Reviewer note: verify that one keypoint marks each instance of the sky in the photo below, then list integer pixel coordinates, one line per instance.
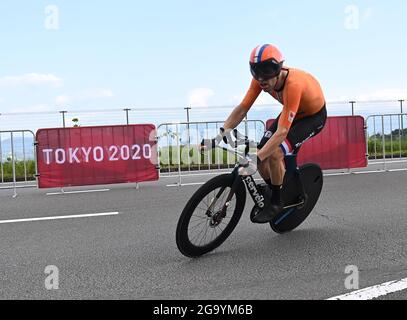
(88, 55)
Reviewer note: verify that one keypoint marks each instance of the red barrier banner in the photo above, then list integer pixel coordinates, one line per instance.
(96, 155)
(340, 145)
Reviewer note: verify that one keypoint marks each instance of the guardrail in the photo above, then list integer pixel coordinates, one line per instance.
(18, 163)
(386, 137)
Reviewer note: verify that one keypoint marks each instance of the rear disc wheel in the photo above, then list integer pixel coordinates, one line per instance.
(290, 219)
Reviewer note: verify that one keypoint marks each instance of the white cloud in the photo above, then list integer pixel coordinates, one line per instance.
(385, 94)
(97, 94)
(63, 99)
(34, 108)
(199, 97)
(93, 94)
(31, 79)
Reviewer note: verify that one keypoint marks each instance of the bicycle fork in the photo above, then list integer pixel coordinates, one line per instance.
(233, 189)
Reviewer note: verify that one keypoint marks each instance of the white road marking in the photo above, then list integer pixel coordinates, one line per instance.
(366, 172)
(10, 186)
(324, 174)
(387, 162)
(194, 184)
(60, 217)
(73, 192)
(337, 174)
(185, 184)
(375, 291)
(397, 170)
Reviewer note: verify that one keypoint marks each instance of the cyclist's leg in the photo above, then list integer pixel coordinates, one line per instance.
(304, 129)
(272, 171)
(264, 167)
(300, 131)
(277, 167)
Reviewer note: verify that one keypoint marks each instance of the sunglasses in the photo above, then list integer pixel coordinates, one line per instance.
(266, 70)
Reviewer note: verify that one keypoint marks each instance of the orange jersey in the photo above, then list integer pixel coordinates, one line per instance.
(301, 96)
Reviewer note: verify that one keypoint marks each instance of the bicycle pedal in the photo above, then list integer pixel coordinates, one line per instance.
(303, 202)
(255, 211)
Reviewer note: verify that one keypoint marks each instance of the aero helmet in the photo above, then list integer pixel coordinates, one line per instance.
(266, 62)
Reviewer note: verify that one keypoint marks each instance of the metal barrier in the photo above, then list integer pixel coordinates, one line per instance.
(178, 147)
(386, 138)
(15, 153)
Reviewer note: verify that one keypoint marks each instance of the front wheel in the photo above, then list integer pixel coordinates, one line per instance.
(205, 222)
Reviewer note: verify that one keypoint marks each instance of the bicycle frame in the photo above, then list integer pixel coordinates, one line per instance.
(252, 187)
(240, 181)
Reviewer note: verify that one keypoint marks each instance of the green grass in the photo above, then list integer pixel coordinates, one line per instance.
(392, 149)
(211, 159)
(215, 158)
(20, 176)
(169, 155)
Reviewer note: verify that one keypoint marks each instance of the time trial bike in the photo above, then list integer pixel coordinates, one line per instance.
(216, 207)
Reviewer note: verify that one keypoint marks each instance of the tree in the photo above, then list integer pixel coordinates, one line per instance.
(76, 122)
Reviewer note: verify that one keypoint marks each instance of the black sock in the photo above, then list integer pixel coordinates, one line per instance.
(276, 193)
(268, 181)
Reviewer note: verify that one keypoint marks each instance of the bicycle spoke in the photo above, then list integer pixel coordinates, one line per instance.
(221, 230)
(200, 224)
(198, 207)
(196, 225)
(225, 225)
(197, 236)
(197, 222)
(200, 216)
(215, 232)
(204, 236)
(197, 219)
(212, 238)
(205, 201)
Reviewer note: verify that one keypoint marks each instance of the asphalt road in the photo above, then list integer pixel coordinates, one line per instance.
(360, 220)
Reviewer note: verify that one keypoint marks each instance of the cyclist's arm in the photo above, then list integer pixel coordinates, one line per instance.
(237, 116)
(241, 110)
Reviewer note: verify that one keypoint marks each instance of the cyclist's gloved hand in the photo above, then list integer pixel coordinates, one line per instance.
(249, 165)
(208, 144)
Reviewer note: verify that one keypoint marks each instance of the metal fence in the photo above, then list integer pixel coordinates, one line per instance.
(69, 117)
(18, 164)
(386, 138)
(179, 152)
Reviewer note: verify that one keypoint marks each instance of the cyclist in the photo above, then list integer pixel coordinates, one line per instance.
(303, 116)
